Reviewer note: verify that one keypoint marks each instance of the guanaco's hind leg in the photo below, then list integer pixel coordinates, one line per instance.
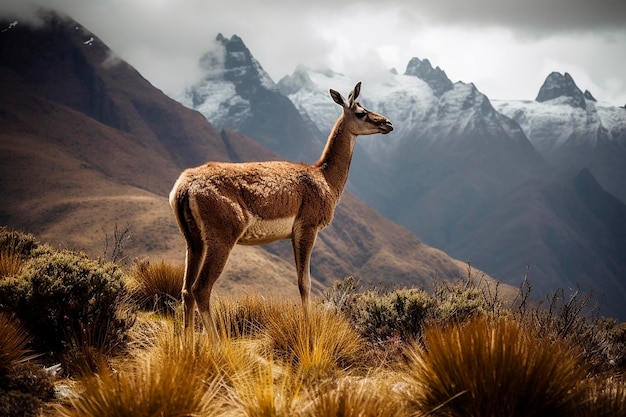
(213, 262)
(191, 272)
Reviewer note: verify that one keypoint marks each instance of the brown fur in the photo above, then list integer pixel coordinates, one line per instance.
(218, 205)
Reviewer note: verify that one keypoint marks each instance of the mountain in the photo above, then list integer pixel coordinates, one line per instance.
(562, 85)
(573, 234)
(451, 152)
(461, 173)
(235, 92)
(87, 144)
(572, 130)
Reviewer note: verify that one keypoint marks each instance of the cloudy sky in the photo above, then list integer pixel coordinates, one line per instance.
(506, 47)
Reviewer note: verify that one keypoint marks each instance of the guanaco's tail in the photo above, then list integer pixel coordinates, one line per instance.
(179, 200)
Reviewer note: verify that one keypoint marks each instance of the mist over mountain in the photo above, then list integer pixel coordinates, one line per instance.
(88, 144)
(235, 92)
(468, 177)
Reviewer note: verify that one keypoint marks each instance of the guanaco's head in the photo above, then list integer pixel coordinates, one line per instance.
(360, 121)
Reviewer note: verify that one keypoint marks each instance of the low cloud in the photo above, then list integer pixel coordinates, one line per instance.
(164, 39)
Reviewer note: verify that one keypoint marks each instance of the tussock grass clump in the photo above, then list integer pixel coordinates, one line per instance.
(492, 368)
(176, 374)
(11, 263)
(157, 286)
(266, 389)
(318, 343)
(603, 398)
(244, 317)
(24, 385)
(13, 344)
(149, 387)
(356, 397)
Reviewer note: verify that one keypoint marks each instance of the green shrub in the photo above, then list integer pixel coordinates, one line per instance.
(64, 298)
(18, 404)
(20, 243)
(456, 302)
(400, 313)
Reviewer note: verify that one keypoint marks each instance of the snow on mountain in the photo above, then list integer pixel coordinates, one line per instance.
(574, 131)
(404, 99)
(216, 96)
(235, 92)
(563, 116)
(422, 103)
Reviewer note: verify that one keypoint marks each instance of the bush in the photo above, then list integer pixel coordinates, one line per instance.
(64, 298)
(399, 314)
(22, 244)
(457, 302)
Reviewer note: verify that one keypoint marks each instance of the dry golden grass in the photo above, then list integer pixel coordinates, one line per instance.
(176, 376)
(272, 360)
(13, 344)
(603, 398)
(156, 286)
(492, 368)
(371, 396)
(318, 343)
(11, 262)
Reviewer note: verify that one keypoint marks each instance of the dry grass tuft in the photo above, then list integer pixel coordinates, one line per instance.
(177, 376)
(13, 344)
(492, 368)
(157, 286)
(603, 398)
(266, 390)
(356, 397)
(318, 343)
(243, 317)
(11, 262)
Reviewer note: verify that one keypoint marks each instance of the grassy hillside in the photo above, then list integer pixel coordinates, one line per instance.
(458, 351)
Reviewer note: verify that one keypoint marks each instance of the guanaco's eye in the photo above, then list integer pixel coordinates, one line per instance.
(361, 115)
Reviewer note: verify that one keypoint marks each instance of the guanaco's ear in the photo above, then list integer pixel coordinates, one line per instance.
(338, 98)
(354, 94)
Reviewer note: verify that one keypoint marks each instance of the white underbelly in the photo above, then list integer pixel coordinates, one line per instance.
(262, 231)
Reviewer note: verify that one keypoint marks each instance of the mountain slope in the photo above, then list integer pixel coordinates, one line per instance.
(574, 234)
(574, 131)
(88, 144)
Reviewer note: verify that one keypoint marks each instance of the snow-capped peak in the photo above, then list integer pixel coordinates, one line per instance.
(561, 85)
(436, 78)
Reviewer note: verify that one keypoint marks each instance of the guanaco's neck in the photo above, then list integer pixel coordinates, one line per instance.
(335, 160)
